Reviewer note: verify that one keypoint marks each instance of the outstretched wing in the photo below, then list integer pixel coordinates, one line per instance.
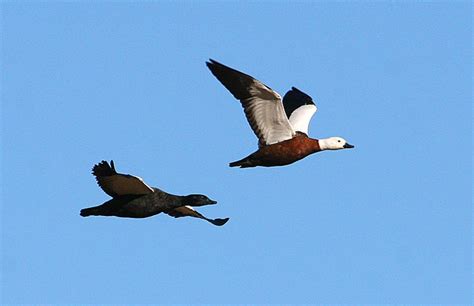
(116, 184)
(299, 108)
(188, 211)
(262, 106)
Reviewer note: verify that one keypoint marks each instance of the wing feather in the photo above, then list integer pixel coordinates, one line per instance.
(262, 106)
(116, 184)
(299, 108)
(188, 211)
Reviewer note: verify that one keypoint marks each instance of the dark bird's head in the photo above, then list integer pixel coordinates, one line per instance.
(198, 200)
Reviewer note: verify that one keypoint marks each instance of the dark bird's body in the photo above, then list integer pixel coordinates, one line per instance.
(136, 206)
(132, 198)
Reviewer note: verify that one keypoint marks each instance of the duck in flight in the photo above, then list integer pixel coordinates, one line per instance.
(133, 198)
(281, 125)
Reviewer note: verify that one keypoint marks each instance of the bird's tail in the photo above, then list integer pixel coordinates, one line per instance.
(243, 163)
(92, 211)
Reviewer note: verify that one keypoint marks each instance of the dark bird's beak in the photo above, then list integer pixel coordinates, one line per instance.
(212, 202)
(348, 146)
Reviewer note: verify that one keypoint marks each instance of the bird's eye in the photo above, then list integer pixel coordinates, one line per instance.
(338, 141)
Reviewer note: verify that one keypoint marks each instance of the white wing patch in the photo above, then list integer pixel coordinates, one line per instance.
(300, 117)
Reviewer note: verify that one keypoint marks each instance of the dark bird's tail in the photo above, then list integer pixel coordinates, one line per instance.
(243, 163)
(92, 211)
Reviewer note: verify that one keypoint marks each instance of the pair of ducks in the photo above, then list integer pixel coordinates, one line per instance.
(281, 126)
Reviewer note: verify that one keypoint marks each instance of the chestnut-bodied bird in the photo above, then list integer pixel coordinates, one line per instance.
(281, 126)
(133, 198)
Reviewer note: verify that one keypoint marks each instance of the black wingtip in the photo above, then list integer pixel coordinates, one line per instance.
(212, 65)
(301, 95)
(104, 169)
(295, 98)
(219, 222)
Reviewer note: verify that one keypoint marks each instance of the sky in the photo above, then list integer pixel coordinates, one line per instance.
(387, 222)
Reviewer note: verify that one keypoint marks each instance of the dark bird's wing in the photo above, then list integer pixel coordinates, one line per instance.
(188, 211)
(262, 106)
(117, 184)
(299, 108)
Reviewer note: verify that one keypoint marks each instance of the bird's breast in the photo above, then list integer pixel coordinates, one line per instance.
(288, 151)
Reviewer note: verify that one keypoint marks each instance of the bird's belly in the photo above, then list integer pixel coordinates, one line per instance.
(134, 213)
(139, 208)
(283, 153)
(279, 159)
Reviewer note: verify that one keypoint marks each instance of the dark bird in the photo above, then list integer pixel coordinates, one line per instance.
(281, 126)
(133, 198)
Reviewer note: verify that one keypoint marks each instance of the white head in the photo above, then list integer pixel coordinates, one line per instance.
(334, 143)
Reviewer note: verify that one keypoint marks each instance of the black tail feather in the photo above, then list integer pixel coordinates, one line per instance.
(234, 164)
(88, 212)
(243, 163)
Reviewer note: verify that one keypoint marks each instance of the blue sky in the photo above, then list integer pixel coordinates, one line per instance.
(387, 222)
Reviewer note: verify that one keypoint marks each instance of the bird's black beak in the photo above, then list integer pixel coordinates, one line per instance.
(212, 202)
(348, 146)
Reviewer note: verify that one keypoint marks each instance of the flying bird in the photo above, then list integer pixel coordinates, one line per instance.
(133, 198)
(281, 125)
